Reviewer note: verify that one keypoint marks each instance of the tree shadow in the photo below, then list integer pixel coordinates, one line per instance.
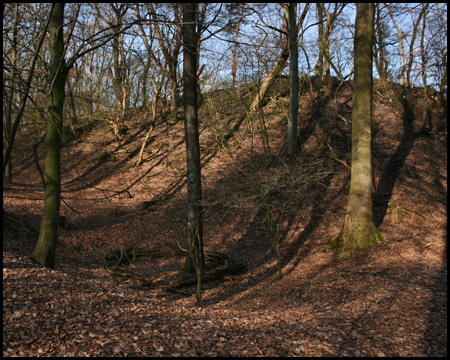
(434, 336)
(256, 236)
(392, 171)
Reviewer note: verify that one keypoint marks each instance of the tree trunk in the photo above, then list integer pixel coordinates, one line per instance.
(8, 112)
(174, 89)
(279, 66)
(118, 77)
(426, 119)
(195, 259)
(411, 45)
(91, 85)
(144, 83)
(170, 52)
(381, 63)
(290, 11)
(326, 52)
(44, 252)
(359, 233)
(270, 79)
(402, 48)
(318, 69)
(234, 63)
(72, 108)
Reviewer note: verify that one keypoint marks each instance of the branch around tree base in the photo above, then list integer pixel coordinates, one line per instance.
(219, 267)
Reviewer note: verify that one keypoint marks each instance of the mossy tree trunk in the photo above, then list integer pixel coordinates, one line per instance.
(44, 252)
(195, 259)
(359, 233)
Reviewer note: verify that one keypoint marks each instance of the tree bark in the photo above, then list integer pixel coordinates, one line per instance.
(195, 261)
(323, 39)
(359, 233)
(318, 69)
(402, 48)
(411, 45)
(8, 112)
(44, 252)
(72, 108)
(270, 79)
(290, 11)
(279, 66)
(426, 119)
(381, 63)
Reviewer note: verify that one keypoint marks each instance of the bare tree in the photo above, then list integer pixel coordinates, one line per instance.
(411, 44)
(402, 48)
(169, 37)
(268, 81)
(290, 11)
(115, 21)
(426, 119)
(380, 39)
(323, 39)
(25, 94)
(237, 12)
(195, 260)
(12, 90)
(44, 252)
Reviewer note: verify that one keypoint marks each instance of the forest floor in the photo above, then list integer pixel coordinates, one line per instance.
(389, 302)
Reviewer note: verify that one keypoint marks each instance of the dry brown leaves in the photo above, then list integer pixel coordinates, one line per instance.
(391, 302)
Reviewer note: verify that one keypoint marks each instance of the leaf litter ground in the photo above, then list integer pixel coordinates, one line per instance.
(391, 302)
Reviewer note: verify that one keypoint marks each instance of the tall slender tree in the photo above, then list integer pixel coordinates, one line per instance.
(359, 233)
(44, 252)
(8, 112)
(290, 11)
(195, 260)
